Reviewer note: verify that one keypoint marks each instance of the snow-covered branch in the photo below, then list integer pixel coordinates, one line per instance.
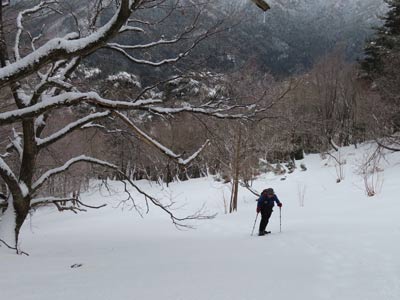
(160, 42)
(160, 147)
(6, 172)
(103, 128)
(44, 142)
(82, 158)
(63, 48)
(5, 3)
(39, 108)
(144, 46)
(10, 179)
(148, 62)
(70, 98)
(187, 161)
(221, 113)
(34, 39)
(20, 27)
(55, 78)
(16, 143)
(126, 28)
(197, 40)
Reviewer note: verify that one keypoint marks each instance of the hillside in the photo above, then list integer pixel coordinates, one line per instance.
(288, 39)
(336, 244)
(294, 34)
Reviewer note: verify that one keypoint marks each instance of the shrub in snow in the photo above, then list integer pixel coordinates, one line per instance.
(338, 162)
(301, 193)
(371, 172)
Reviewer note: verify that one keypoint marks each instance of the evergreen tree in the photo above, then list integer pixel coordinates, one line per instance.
(385, 42)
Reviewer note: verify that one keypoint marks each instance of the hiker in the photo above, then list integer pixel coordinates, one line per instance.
(265, 205)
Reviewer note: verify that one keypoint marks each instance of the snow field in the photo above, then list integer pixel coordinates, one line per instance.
(340, 245)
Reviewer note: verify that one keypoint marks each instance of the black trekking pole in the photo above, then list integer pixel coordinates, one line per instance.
(280, 219)
(254, 226)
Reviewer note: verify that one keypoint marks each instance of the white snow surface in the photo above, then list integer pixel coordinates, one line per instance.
(341, 245)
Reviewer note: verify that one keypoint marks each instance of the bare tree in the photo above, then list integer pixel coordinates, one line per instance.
(329, 109)
(237, 146)
(39, 80)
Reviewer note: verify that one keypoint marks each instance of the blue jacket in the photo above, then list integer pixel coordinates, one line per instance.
(265, 201)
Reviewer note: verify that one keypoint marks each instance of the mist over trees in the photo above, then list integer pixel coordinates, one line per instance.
(285, 41)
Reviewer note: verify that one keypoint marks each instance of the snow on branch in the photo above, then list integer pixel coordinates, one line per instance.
(36, 38)
(44, 142)
(148, 62)
(82, 158)
(6, 172)
(122, 49)
(10, 179)
(144, 46)
(55, 78)
(20, 28)
(5, 2)
(126, 28)
(160, 42)
(15, 143)
(70, 98)
(187, 161)
(160, 147)
(39, 108)
(64, 48)
(221, 113)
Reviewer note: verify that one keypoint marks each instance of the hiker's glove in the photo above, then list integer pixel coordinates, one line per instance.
(280, 204)
(258, 209)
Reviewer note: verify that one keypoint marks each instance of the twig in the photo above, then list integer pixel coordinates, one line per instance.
(14, 248)
(252, 190)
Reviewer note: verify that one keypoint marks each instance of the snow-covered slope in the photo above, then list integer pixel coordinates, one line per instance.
(340, 244)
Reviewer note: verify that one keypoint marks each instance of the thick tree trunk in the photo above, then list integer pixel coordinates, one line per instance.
(3, 45)
(21, 208)
(13, 219)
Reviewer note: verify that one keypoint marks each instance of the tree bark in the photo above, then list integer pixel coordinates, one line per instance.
(236, 174)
